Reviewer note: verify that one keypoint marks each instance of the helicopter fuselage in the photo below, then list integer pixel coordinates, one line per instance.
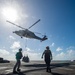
(28, 34)
(25, 33)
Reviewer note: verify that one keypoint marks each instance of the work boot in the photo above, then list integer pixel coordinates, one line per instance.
(18, 70)
(15, 72)
(49, 69)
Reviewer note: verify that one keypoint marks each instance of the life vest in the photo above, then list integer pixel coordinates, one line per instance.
(18, 55)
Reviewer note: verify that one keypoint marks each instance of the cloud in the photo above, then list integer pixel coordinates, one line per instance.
(4, 52)
(59, 49)
(11, 37)
(32, 54)
(6, 55)
(67, 55)
(15, 45)
(10, 57)
(59, 56)
(52, 44)
(15, 50)
(28, 49)
(28, 52)
(71, 47)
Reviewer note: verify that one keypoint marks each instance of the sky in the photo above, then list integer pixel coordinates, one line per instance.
(57, 22)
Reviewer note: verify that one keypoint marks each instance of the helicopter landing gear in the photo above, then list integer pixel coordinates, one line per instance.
(21, 37)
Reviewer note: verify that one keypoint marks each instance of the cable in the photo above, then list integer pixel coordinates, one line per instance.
(26, 44)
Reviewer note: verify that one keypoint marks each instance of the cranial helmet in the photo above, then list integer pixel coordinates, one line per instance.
(20, 49)
(47, 47)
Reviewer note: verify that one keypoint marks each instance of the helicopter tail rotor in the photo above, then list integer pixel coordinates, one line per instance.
(44, 38)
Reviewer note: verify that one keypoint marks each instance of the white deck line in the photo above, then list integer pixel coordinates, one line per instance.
(1, 68)
(65, 68)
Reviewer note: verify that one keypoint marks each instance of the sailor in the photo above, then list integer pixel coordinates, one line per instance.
(18, 62)
(47, 57)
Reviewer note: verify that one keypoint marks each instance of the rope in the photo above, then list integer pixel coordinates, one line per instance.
(26, 44)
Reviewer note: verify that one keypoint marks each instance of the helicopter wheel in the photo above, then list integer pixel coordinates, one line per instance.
(21, 37)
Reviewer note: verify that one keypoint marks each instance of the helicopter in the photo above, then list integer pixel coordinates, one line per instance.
(27, 33)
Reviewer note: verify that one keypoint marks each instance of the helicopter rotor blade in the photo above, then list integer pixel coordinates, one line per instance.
(34, 23)
(15, 24)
